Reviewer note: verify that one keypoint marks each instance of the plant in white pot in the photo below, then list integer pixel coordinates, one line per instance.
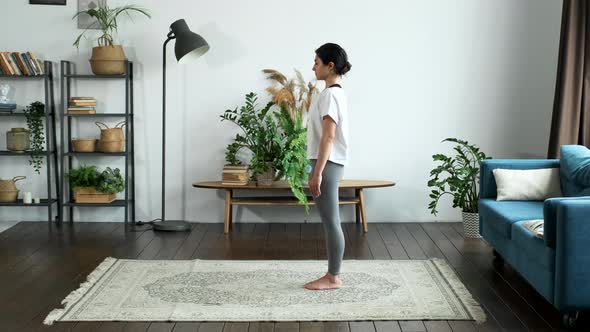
(458, 176)
(107, 58)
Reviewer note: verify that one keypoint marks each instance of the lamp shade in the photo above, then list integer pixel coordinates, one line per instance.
(188, 45)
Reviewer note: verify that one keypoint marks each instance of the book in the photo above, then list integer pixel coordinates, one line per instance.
(39, 63)
(28, 63)
(15, 64)
(88, 111)
(235, 167)
(5, 65)
(10, 63)
(34, 63)
(21, 64)
(82, 98)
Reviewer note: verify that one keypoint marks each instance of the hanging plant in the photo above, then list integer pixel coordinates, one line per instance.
(34, 114)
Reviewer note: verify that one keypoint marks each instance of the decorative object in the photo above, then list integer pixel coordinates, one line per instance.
(18, 140)
(188, 46)
(107, 58)
(86, 21)
(36, 200)
(462, 180)
(112, 140)
(34, 114)
(84, 144)
(27, 197)
(267, 290)
(8, 191)
(4, 99)
(91, 186)
(48, 2)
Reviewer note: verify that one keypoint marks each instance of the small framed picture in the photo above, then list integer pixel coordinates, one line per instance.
(48, 2)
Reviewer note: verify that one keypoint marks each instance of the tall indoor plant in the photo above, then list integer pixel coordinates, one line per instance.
(107, 58)
(458, 176)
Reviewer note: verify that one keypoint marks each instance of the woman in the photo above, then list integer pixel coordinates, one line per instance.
(327, 144)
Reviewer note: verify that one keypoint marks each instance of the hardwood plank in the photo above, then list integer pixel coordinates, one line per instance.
(286, 327)
(409, 243)
(361, 326)
(412, 326)
(235, 327)
(376, 245)
(387, 326)
(311, 326)
(392, 243)
(437, 326)
(261, 327)
(186, 326)
(211, 327)
(336, 327)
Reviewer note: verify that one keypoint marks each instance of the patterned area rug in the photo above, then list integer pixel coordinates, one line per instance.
(256, 290)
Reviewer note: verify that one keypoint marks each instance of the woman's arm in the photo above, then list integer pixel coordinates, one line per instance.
(328, 134)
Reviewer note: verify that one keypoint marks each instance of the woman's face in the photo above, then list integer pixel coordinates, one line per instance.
(321, 70)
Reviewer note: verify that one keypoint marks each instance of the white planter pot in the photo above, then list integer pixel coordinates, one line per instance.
(471, 225)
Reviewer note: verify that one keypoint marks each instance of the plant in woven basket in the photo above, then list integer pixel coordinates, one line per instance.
(106, 19)
(457, 176)
(259, 135)
(34, 114)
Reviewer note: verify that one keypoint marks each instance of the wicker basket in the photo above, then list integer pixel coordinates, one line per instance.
(111, 146)
(84, 144)
(112, 140)
(90, 195)
(108, 60)
(9, 196)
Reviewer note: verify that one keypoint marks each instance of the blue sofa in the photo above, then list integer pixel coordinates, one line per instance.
(557, 266)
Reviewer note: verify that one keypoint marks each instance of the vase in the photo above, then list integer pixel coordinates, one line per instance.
(17, 140)
(266, 178)
(471, 225)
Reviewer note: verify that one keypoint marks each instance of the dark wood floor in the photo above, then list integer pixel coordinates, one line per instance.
(41, 263)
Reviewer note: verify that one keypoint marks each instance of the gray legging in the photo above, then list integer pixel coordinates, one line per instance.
(327, 204)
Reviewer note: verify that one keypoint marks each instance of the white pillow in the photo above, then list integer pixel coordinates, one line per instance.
(527, 184)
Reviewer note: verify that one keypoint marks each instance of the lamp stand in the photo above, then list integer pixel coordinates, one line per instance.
(167, 225)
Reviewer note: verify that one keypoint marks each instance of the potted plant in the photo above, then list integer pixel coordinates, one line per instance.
(458, 176)
(91, 186)
(34, 114)
(260, 135)
(107, 58)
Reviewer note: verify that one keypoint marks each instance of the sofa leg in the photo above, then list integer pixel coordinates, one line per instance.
(497, 256)
(569, 319)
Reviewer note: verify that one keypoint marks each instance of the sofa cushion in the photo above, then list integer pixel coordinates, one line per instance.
(533, 246)
(501, 215)
(575, 170)
(527, 184)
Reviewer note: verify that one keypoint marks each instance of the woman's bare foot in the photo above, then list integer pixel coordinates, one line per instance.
(326, 282)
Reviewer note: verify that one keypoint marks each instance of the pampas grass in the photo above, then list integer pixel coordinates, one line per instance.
(293, 94)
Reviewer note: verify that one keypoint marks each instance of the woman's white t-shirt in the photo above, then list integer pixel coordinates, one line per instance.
(331, 102)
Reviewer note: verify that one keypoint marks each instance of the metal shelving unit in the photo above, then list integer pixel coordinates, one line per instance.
(50, 142)
(67, 155)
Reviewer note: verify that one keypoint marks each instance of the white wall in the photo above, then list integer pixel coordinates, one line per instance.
(422, 71)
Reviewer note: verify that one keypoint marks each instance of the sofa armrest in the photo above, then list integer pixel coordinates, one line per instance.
(572, 255)
(487, 182)
(550, 216)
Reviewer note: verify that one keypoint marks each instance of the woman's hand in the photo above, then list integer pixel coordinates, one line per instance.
(314, 183)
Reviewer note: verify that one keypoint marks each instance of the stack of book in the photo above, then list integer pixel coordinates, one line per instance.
(82, 105)
(20, 64)
(235, 175)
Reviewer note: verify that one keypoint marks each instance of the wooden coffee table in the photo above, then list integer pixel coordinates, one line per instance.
(358, 198)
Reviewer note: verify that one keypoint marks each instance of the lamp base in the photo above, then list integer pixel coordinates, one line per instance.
(172, 226)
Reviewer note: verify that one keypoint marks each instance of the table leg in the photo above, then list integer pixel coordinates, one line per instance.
(231, 210)
(357, 206)
(363, 212)
(227, 218)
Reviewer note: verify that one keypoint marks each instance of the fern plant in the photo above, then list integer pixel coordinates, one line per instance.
(294, 165)
(106, 18)
(461, 176)
(34, 114)
(83, 176)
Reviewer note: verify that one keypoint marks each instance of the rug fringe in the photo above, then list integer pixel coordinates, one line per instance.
(474, 308)
(76, 294)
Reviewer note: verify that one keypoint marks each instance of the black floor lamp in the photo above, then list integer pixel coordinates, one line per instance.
(189, 46)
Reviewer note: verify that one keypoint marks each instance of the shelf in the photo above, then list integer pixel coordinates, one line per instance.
(102, 115)
(20, 114)
(113, 154)
(21, 77)
(28, 153)
(118, 202)
(44, 202)
(97, 76)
